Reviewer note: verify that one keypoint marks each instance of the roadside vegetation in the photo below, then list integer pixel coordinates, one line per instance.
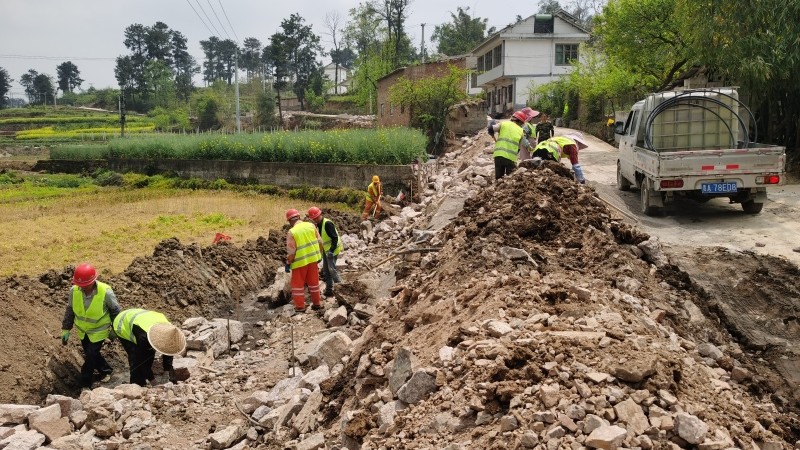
(52, 221)
(382, 146)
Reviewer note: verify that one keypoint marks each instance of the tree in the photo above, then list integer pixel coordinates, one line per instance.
(44, 89)
(394, 13)
(646, 38)
(265, 110)
(430, 100)
(294, 53)
(220, 59)
(756, 48)
(251, 57)
(365, 34)
(26, 80)
(184, 67)
(462, 35)
(5, 85)
(341, 56)
(69, 77)
(549, 7)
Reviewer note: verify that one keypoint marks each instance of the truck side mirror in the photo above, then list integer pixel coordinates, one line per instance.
(619, 127)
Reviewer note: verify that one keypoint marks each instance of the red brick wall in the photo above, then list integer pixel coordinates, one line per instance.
(394, 115)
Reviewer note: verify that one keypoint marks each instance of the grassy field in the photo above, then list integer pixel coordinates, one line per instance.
(63, 221)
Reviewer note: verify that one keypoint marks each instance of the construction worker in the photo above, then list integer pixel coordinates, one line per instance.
(142, 333)
(509, 138)
(372, 199)
(91, 308)
(528, 132)
(332, 246)
(303, 251)
(544, 129)
(559, 146)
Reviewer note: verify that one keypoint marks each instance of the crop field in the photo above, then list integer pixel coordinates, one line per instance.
(56, 220)
(383, 146)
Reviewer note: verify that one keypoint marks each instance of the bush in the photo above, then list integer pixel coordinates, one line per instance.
(108, 178)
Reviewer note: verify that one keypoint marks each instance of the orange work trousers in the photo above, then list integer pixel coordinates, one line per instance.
(368, 210)
(302, 276)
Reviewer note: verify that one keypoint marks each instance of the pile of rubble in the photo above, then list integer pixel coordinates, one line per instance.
(529, 319)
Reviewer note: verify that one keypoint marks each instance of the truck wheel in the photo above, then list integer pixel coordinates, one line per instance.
(622, 183)
(646, 207)
(751, 207)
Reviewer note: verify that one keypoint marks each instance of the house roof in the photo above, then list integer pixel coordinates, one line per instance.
(563, 15)
(437, 60)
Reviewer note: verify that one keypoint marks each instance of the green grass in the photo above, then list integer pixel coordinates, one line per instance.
(382, 146)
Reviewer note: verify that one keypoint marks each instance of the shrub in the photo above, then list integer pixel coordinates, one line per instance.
(108, 178)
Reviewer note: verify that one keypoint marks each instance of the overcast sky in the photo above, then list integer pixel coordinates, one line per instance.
(41, 34)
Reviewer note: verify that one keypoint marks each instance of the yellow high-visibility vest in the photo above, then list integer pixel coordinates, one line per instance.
(94, 321)
(326, 240)
(507, 145)
(124, 322)
(305, 237)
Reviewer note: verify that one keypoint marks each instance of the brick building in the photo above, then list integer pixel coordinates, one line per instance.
(466, 118)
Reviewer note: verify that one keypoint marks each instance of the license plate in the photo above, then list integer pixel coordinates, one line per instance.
(718, 188)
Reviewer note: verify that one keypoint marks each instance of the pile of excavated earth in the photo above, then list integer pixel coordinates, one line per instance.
(516, 314)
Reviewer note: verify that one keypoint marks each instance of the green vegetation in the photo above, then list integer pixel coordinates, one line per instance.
(384, 146)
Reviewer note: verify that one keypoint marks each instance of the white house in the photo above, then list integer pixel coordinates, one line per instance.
(329, 72)
(531, 52)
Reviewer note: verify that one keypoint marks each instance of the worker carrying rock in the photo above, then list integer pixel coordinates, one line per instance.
(304, 250)
(510, 137)
(557, 147)
(372, 200)
(91, 308)
(332, 246)
(142, 333)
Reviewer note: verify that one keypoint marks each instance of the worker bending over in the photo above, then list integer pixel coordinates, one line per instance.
(142, 333)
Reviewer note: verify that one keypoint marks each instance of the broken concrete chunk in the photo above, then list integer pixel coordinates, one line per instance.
(15, 414)
(402, 369)
(24, 440)
(497, 328)
(227, 436)
(690, 428)
(330, 349)
(606, 437)
(417, 388)
(632, 415)
(635, 370)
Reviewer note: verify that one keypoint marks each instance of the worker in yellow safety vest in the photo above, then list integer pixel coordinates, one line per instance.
(303, 251)
(142, 333)
(559, 146)
(372, 200)
(332, 246)
(91, 308)
(510, 137)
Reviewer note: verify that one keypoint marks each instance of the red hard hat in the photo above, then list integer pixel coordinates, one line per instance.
(314, 212)
(84, 275)
(292, 213)
(521, 116)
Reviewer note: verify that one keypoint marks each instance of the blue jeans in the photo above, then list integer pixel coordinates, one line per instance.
(329, 273)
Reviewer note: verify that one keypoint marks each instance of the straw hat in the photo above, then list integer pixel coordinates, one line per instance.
(579, 139)
(167, 339)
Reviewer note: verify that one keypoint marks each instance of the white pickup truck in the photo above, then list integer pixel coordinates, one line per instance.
(696, 144)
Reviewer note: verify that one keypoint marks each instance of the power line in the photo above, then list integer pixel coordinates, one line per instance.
(75, 58)
(220, 22)
(209, 19)
(229, 20)
(198, 16)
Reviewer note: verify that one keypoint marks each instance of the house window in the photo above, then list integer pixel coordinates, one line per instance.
(480, 64)
(487, 60)
(566, 53)
(543, 24)
(498, 55)
(473, 80)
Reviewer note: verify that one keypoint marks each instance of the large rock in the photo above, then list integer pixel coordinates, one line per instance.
(306, 419)
(417, 388)
(24, 440)
(606, 437)
(53, 429)
(15, 414)
(46, 414)
(631, 413)
(690, 428)
(68, 404)
(330, 349)
(635, 370)
(402, 369)
(227, 436)
(313, 442)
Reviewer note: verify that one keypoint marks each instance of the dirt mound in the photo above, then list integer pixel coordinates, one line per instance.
(537, 288)
(346, 223)
(180, 280)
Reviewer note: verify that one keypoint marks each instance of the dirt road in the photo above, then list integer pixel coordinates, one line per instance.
(776, 231)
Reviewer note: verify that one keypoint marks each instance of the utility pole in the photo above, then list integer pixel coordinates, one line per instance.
(122, 113)
(236, 78)
(423, 43)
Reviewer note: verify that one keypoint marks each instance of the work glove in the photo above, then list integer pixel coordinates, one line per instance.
(64, 337)
(579, 173)
(330, 256)
(287, 268)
